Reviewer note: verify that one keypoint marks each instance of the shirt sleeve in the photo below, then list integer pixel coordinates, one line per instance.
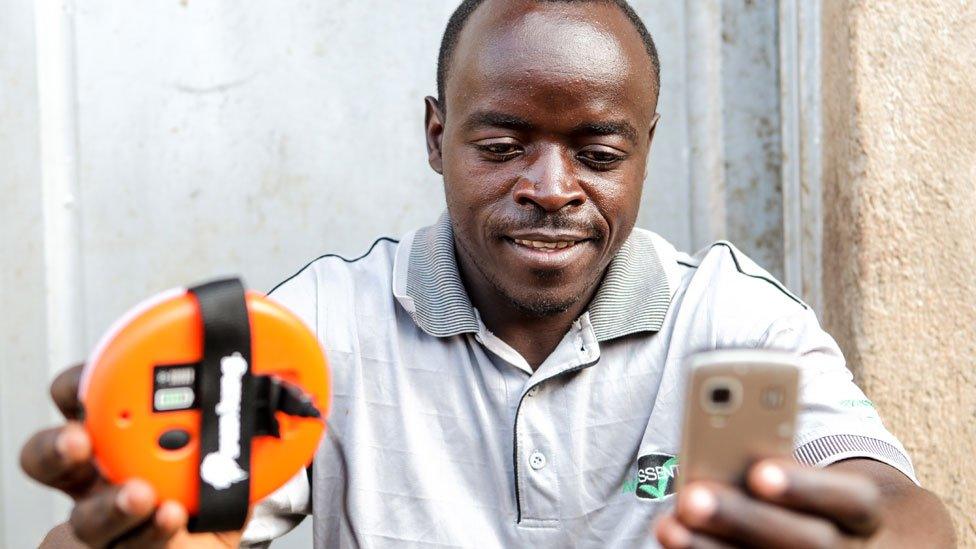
(836, 421)
(279, 513)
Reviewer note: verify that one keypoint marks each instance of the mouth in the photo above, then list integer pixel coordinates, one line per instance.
(549, 252)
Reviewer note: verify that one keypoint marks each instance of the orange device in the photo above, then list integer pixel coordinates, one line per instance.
(213, 395)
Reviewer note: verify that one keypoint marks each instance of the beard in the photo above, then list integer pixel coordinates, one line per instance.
(539, 305)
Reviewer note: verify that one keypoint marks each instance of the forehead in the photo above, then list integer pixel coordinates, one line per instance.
(551, 55)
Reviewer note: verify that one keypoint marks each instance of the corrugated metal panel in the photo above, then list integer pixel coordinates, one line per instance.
(751, 131)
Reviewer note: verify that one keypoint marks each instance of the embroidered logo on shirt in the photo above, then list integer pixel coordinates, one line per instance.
(657, 476)
(859, 403)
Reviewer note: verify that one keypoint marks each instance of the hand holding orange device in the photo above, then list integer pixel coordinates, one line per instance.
(214, 396)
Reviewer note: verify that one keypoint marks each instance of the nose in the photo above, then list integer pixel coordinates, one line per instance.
(549, 183)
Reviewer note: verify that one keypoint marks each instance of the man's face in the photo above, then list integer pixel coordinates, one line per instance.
(549, 119)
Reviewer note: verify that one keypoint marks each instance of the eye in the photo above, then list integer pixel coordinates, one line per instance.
(601, 158)
(499, 151)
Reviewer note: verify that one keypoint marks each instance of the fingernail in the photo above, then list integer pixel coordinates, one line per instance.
(62, 444)
(123, 500)
(170, 516)
(70, 444)
(701, 503)
(678, 536)
(773, 479)
(135, 497)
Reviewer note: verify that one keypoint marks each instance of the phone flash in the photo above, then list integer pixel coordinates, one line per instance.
(773, 397)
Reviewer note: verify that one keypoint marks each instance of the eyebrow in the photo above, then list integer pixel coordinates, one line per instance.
(613, 127)
(497, 119)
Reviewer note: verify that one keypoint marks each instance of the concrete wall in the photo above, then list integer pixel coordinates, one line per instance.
(900, 219)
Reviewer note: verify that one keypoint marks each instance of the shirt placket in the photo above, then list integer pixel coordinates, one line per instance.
(540, 450)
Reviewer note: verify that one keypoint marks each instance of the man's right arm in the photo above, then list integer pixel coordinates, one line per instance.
(104, 514)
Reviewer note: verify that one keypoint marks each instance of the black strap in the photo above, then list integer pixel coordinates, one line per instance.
(225, 470)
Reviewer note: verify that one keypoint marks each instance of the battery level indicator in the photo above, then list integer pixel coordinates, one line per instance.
(174, 398)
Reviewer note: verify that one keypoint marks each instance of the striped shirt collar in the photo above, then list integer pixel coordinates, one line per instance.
(633, 297)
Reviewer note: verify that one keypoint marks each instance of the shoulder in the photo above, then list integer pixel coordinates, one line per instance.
(332, 277)
(721, 291)
(718, 266)
(721, 268)
(378, 257)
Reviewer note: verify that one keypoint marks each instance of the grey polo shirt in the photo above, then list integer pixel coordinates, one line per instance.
(441, 435)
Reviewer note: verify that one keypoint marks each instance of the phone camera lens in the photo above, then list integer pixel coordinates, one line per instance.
(721, 395)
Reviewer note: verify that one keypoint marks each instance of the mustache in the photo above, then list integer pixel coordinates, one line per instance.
(527, 220)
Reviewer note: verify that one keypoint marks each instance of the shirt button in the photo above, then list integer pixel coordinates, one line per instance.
(532, 392)
(537, 460)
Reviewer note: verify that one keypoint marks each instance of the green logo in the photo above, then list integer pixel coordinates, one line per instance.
(657, 476)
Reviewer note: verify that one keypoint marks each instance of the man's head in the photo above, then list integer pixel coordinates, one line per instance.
(463, 12)
(546, 117)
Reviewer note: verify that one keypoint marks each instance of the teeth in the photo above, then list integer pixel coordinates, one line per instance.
(539, 245)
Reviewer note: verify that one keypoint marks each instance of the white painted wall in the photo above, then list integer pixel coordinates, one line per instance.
(23, 353)
(195, 138)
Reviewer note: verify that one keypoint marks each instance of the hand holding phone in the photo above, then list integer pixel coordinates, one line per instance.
(739, 484)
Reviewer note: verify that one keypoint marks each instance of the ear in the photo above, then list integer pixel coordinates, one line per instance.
(650, 141)
(434, 128)
(650, 136)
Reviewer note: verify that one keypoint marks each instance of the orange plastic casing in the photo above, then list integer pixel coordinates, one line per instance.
(117, 391)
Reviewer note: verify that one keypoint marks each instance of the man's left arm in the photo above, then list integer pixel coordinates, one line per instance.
(850, 483)
(853, 503)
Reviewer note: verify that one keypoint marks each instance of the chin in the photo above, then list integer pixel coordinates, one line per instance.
(544, 293)
(541, 304)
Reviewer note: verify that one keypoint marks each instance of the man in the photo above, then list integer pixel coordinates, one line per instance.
(502, 376)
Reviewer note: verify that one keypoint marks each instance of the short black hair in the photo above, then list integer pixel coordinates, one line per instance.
(463, 12)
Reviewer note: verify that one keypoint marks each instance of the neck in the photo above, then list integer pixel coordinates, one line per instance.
(534, 337)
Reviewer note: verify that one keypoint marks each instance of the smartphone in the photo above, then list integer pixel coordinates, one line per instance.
(740, 407)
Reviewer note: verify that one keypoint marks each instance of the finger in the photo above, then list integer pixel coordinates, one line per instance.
(61, 458)
(64, 392)
(849, 500)
(168, 522)
(112, 512)
(673, 535)
(730, 515)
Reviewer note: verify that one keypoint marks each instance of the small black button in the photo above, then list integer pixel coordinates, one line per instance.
(174, 439)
